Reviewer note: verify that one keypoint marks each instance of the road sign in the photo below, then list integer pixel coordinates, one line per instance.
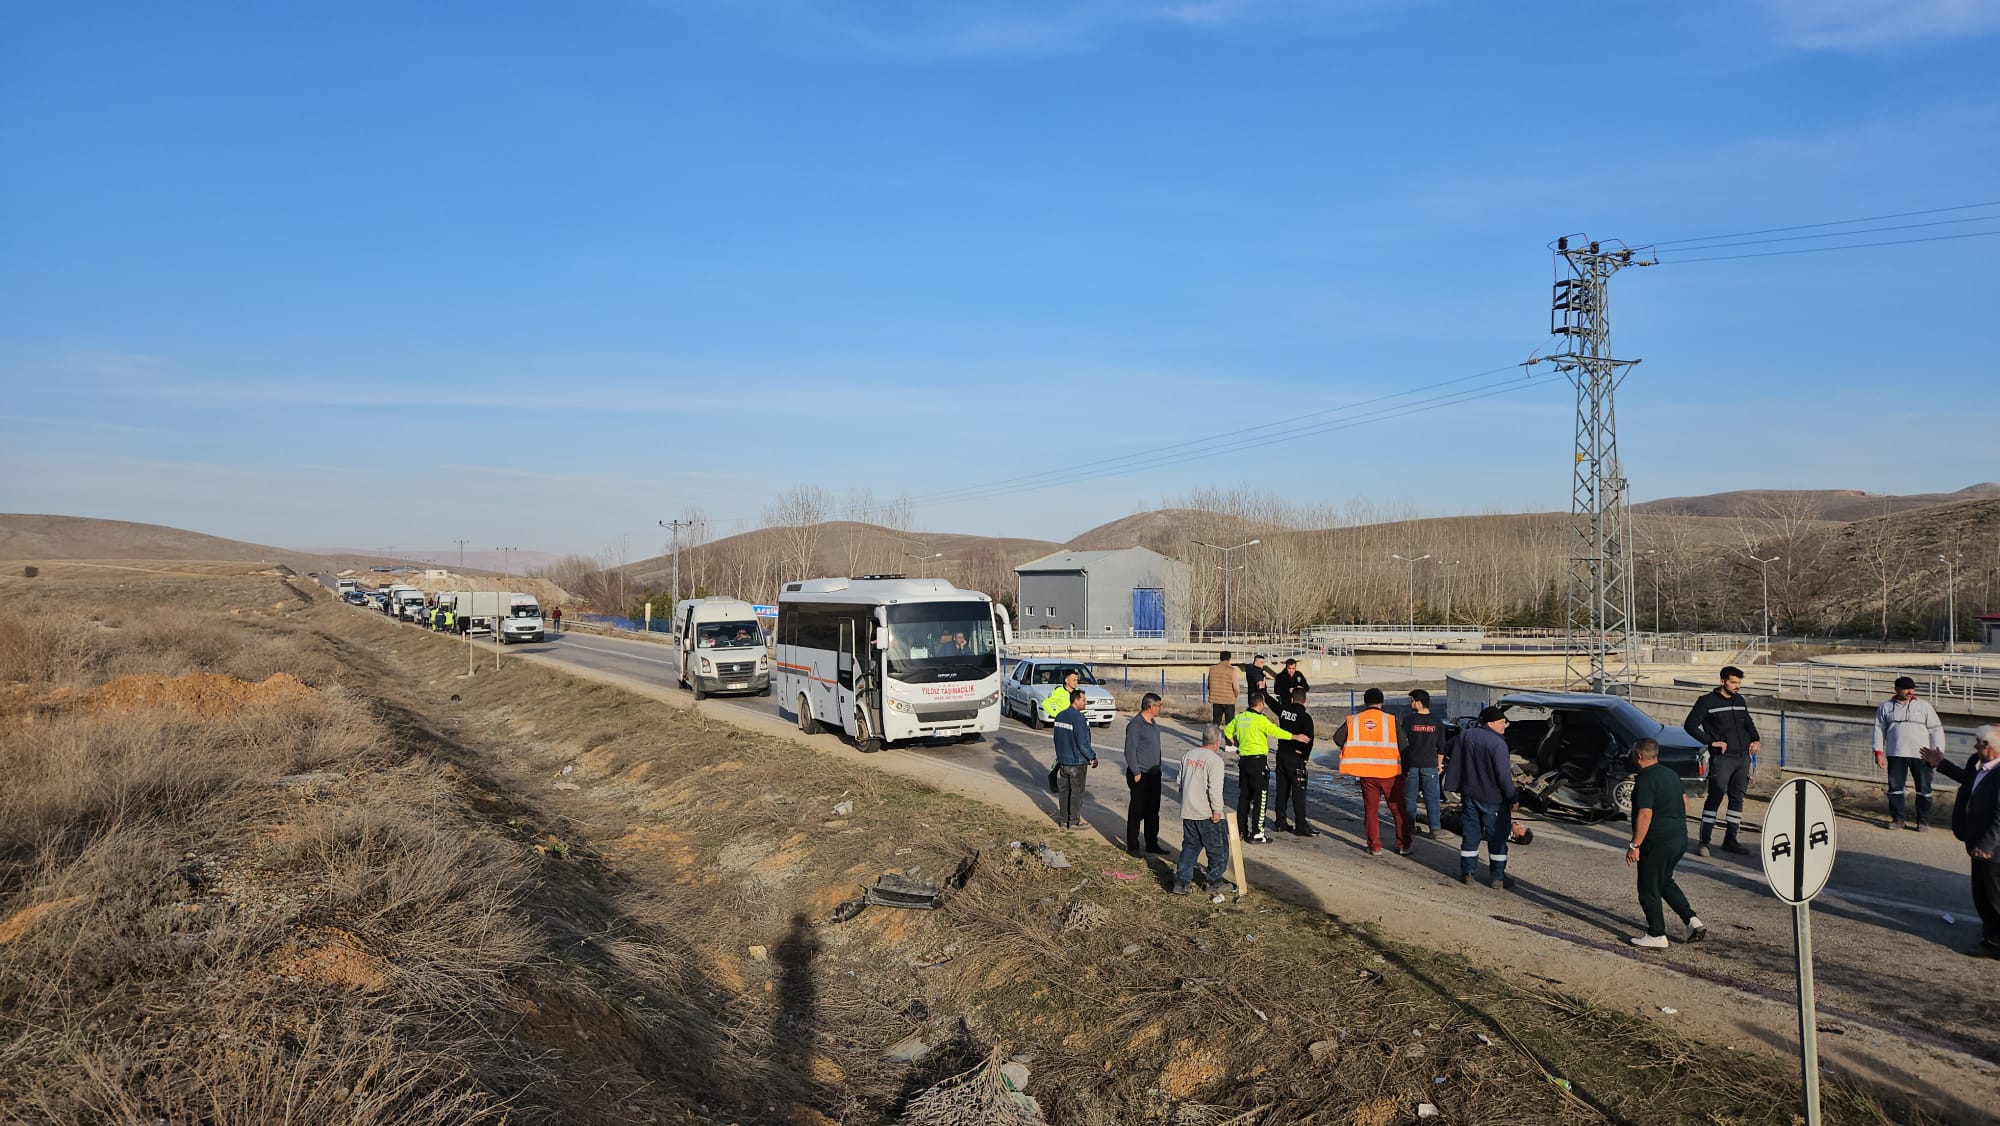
(1797, 845)
(1798, 840)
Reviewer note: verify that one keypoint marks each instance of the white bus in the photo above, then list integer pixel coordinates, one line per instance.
(887, 658)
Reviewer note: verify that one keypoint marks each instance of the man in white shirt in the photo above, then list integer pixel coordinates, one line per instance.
(1905, 727)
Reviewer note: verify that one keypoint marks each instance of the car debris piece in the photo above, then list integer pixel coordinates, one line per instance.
(1053, 857)
(898, 890)
(842, 809)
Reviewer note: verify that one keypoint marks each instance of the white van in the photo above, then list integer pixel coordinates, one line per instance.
(721, 647)
(410, 603)
(523, 621)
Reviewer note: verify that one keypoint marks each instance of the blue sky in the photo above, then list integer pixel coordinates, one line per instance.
(539, 273)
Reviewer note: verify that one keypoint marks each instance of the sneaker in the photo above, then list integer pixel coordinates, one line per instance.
(1284, 827)
(1180, 889)
(1157, 849)
(1894, 823)
(1921, 826)
(1696, 932)
(1465, 877)
(1701, 849)
(1404, 851)
(1649, 941)
(1734, 846)
(1226, 887)
(1260, 839)
(1375, 852)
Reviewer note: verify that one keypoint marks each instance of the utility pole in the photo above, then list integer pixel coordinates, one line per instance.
(1225, 576)
(1653, 557)
(675, 526)
(1950, 605)
(1413, 604)
(1764, 569)
(1597, 614)
(506, 561)
(461, 552)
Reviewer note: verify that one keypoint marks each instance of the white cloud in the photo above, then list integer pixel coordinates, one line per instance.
(1867, 24)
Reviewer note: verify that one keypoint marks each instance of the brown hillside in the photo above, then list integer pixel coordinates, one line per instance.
(33, 537)
(1170, 530)
(1824, 504)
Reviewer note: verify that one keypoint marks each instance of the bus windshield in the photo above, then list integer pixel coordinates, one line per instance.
(727, 635)
(936, 641)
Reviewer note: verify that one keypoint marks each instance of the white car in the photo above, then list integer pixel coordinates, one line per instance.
(1030, 682)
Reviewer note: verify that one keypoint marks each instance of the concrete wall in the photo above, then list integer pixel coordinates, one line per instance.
(1066, 591)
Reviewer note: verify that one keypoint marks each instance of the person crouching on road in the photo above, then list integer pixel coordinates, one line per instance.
(1372, 746)
(1074, 758)
(1293, 757)
(1142, 775)
(1659, 840)
(1975, 819)
(1482, 775)
(1252, 732)
(1202, 826)
(1904, 727)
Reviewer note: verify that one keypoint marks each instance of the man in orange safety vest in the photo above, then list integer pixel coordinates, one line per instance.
(1371, 751)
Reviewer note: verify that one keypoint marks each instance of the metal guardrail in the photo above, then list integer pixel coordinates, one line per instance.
(1963, 685)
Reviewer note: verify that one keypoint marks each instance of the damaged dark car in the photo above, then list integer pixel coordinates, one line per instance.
(1573, 751)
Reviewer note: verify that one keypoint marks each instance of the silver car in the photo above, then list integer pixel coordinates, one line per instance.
(1030, 682)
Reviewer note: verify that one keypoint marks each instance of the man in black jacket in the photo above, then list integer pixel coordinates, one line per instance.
(1975, 819)
(1292, 757)
(1722, 720)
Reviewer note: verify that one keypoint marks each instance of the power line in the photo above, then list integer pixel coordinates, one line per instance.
(1381, 415)
(1824, 249)
(1191, 447)
(1849, 233)
(1830, 223)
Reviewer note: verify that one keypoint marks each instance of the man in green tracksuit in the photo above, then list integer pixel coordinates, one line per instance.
(1659, 840)
(1252, 732)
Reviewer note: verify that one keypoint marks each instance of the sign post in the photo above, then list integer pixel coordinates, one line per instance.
(1797, 848)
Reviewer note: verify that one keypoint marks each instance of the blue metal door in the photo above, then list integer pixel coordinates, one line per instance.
(1149, 611)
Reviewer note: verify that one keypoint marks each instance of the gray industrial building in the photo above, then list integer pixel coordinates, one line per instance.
(1133, 590)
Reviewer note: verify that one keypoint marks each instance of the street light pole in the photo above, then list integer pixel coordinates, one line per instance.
(1764, 569)
(1950, 605)
(1412, 639)
(1652, 556)
(1447, 589)
(1226, 625)
(923, 559)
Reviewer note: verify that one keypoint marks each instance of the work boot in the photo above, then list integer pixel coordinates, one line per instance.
(1701, 849)
(1731, 844)
(1180, 889)
(1895, 823)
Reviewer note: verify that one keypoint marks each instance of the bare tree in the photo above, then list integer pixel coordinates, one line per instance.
(800, 513)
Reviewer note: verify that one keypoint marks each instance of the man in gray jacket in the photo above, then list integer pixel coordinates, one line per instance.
(1905, 727)
(1142, 775)
(1204, 827)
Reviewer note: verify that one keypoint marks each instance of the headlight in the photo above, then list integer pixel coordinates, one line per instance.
(988, 701)
(760, 662)
(900, 706)
(708, 666)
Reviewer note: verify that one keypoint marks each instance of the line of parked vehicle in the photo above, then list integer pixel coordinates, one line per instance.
(511, 615)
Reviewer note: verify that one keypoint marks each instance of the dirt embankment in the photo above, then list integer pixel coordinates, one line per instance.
(398, 894)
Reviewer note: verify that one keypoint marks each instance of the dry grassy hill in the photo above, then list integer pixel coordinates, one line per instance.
(1823, 504)
(32, 537)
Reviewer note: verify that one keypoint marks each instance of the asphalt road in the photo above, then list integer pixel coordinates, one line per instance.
(1898, 1001)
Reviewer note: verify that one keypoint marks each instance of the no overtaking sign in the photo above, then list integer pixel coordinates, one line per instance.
(1798, 840)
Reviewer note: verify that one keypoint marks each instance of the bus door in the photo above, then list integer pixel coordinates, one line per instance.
(846, 656)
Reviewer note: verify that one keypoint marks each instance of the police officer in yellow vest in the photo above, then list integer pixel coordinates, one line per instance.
(1252, 732)
(1371, 751)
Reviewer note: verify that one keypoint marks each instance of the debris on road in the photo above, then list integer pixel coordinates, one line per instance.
(1053, 857)
(1669, 1010)
(898, 890)
(842, 809)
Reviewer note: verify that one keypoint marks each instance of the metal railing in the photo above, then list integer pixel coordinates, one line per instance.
(1964, 686)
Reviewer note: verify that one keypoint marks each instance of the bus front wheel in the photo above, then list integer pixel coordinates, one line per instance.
(807, 724)
(865, 740)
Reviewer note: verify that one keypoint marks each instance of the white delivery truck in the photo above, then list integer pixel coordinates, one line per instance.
(410, 604)
(523, 621)
(721, 647)
(479, 611)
